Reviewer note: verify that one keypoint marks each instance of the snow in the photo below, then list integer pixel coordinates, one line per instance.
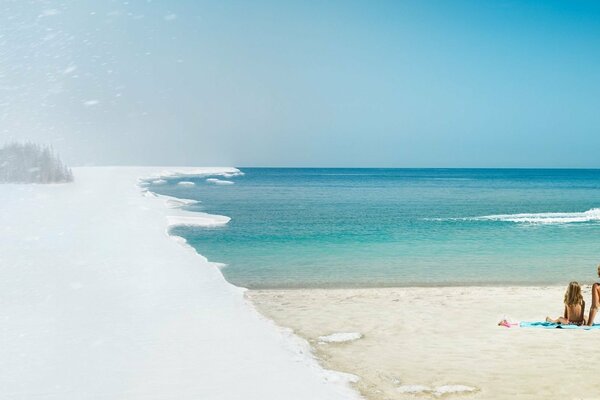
(226, 172)
(447, 389)
(439, 391)
(96, 301)
(175, 202)
(340, 337)
(197, 219)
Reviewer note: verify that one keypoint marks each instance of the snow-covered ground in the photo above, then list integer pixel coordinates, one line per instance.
(97, 302)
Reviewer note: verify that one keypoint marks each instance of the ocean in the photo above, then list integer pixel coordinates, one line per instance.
(322, 227)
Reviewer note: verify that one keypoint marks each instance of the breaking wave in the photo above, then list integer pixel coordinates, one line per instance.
(591, 215)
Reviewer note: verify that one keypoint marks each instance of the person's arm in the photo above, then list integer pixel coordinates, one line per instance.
(583, 313)
(565, 313)
(594, 306)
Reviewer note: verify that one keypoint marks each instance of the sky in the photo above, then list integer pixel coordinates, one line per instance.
(304, 83)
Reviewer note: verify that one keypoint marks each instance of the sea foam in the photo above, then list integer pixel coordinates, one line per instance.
(592, 215)
(545, 218)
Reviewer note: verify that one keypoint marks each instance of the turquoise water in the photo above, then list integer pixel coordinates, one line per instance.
(390, 227)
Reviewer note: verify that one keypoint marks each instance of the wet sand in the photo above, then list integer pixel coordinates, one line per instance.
(443, 341)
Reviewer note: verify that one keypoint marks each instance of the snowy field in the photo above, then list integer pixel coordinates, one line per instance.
(97, 302)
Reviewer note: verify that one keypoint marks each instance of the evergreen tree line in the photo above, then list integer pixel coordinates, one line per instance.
(32, 163)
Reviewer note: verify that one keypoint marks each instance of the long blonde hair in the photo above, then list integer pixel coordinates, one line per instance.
(573, 294)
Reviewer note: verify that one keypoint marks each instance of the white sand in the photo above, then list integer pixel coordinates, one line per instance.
(443, 342)
(97, 302)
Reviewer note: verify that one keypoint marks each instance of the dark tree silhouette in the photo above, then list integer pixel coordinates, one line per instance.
(32, 163)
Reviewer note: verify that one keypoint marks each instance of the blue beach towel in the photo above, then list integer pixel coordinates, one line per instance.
(550, 325)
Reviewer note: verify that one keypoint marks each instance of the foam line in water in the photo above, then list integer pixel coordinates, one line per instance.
(544, 218)
(549, 218)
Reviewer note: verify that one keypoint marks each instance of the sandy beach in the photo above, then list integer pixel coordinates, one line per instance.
(442, 341)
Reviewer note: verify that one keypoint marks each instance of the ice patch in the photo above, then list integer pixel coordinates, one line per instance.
(161, 177)
(196, 173)
(178, 217)
(340, 337)
(219, 181)
(197, 219)
(175, 202)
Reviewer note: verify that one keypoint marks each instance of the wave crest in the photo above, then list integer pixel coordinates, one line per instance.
(543, 218)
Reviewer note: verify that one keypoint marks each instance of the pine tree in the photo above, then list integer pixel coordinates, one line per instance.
(32, 163)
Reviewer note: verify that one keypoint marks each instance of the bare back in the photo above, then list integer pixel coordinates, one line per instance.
(574, 313)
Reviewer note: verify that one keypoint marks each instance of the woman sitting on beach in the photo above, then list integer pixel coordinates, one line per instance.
(574, 307)
(595, 301)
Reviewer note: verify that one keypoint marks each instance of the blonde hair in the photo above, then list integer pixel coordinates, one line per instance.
(573, 294)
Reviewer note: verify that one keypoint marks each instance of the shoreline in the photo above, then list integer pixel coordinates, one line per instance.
(318, 318)
(177, 215)
(501, 284)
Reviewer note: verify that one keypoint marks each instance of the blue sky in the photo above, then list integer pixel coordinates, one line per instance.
(307, 83)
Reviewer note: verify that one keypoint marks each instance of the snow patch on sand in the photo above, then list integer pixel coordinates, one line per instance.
(447, 389)
(340, 337)
(439, 391)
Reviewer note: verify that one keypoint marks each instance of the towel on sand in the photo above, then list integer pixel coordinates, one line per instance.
(550, 325)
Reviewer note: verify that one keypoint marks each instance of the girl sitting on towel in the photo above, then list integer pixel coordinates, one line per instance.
(574, 307)
(595, 301)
